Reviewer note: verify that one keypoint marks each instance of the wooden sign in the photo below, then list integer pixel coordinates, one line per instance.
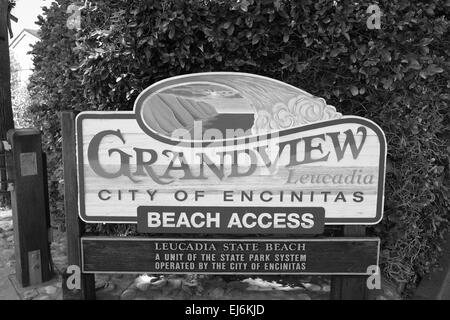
(339, 256)
(234, 142)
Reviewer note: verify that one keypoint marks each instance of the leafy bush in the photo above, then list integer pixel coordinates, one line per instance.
(398, 76)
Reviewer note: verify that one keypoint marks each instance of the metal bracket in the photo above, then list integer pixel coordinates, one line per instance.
(34, 267)
(5, 146)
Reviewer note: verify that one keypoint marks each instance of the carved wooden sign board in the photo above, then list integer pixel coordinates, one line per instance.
(230, 153)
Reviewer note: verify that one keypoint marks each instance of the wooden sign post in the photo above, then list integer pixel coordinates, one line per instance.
(29, 206)
(232, 154)
(74, 226)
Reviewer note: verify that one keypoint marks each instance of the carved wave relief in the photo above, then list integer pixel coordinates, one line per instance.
(298, 111)
(230, 101)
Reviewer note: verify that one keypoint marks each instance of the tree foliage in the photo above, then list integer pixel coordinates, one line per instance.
(19, 96)
(397, 76)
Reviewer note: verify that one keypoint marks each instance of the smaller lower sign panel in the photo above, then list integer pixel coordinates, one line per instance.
(231, 220)
(339, 256)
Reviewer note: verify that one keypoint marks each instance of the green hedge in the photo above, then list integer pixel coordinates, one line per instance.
(397, 76)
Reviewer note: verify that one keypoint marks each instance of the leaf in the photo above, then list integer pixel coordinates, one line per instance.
(354, 90)
(335, 52)
(286, 38)
(277, 4)
(431, 70)
(243, 4)
(230, 30)
(104, 74)
(171, 32)
(426, 41)
(386, 55)
(249, 21)
(414, 64)
(414, 129)
(434, 69)
(300, 67)
(256, 38)
(346, 35)
(387, 83)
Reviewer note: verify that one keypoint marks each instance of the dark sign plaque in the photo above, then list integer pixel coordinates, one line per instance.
(232, 220)
(344, 256)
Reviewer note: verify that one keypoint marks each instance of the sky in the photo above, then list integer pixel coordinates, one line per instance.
(27, 11)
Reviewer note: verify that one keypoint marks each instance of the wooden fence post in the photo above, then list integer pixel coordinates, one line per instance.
(74, 226)
(350, 287)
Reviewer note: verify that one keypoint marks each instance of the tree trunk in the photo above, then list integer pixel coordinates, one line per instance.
(6, 113)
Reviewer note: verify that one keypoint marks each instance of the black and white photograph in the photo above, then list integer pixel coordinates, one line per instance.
(225, 156)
